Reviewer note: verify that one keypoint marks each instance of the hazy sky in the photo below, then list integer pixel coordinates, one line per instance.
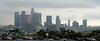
(66, 9)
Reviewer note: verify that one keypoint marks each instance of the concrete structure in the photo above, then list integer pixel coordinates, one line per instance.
(48, 21)
(75, 24)
(81, 26)
(65, 26)
(84, 22)
(45, 24)
(16, 19)
(62, 25)
(68, 23)
(52, 27)
(23, 21)
(35, 19)
(28, 18)
(57, 22)
(28, 24)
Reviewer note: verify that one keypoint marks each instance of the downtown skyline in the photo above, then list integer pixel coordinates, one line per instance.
(33, 22)
(64, 18)
(73, 10)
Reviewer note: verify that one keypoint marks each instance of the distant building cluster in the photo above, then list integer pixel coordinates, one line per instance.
(33, 22)
(28, 23)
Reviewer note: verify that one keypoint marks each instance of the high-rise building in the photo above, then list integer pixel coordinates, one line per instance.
(84, 22)
(57, 22)
(28, 18)
(75, 24)
(51, 27)
(35, 19)
(40, 19)
(23, 21)
(28, 24)
(65, 26)
(49, 19)
(45, 24)
(68, 23)
(62, 25)
(16, 19)
(81, 26)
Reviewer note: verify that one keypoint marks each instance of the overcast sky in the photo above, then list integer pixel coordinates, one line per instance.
(75, 10)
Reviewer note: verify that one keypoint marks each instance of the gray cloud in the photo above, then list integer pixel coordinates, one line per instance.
(91, 16)
(7, 8)
(97, 2)
(49, 3)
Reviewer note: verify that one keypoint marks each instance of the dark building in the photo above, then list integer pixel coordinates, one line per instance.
(16, 19)
(84, 22)
(75, 24)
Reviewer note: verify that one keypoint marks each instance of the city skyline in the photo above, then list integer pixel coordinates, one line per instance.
(54, 19)
(73, 10)
(32, 23)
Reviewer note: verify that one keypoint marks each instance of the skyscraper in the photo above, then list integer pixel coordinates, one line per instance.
(65, 26)
(49, 19)
(75, 24)
(40, 19)
(35, 19)
(45, 24)
(28, 24)
(57, 22)
(16, 19)
(23, 20)
(84, 22)
(68, 23)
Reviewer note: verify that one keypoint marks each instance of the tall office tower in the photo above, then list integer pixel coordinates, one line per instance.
(45, 24)
(75, 24)
(51, 27)
(35, 19)
(65, 26)
(23, 21)
(40, 19)
(28, 23)
(62, 25)
(84, 22)
(16, 19)
(57, 22)
(49, 19)
(68, 23)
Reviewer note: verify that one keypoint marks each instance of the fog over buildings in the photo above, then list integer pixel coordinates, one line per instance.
(33, 22)
(66, 9)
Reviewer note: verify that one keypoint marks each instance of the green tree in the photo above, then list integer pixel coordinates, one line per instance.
(70, 33)
(14, 32)
(41, 33)
(52, 33)
(78, 34)
(62, 31)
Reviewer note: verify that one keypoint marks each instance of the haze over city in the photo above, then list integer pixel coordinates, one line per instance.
(49, 20)
(73, 10)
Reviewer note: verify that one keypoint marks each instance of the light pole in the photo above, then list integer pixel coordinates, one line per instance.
(47, 35)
